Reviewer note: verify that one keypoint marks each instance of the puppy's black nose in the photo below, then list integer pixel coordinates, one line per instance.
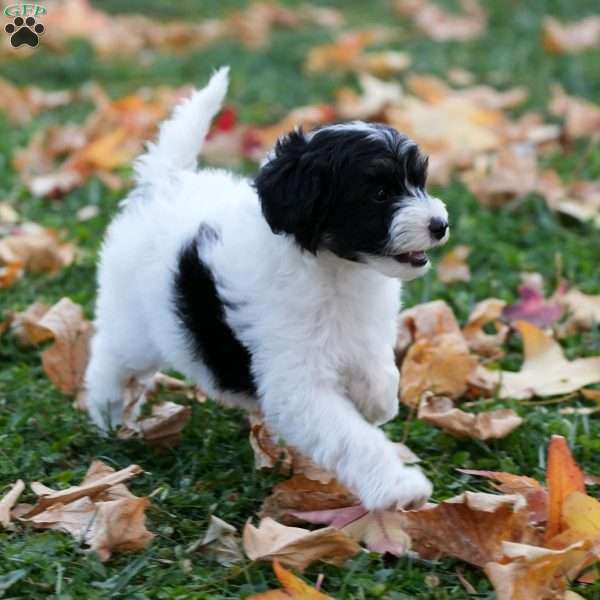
(438, 227)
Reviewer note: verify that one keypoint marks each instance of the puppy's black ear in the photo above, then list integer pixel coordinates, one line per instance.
(293, 191)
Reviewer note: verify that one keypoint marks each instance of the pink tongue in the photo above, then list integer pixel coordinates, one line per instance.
(418, 255)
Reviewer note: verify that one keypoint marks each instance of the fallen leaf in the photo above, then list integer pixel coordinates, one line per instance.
(21, 104)
(8, 501)
(297, 547)
(441, 25)
(10, 274)
(438, 358)
(375, 97)
(583, 311)
(36, 249)
(100, 512)
(66, 360)
(563, 478)
(119, 526)
(90, 489)
(454, 267)
(220, 542)
(491, 425)
(580, 201)
(302, 493)
(163, 426)
(25, 325)
(488, 345)
(532, 572)
(346, 53)
(293, 587)
(532, 305)
(380, 531)
(532, 490)
(471, 527)
(581, 117)
(545, 370)
(74, 518)
(562, 38)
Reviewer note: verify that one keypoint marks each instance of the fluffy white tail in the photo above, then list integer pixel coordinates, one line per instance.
(180, 139)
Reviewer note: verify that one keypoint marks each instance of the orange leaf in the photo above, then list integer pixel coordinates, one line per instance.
(563, 477)
(293, 588)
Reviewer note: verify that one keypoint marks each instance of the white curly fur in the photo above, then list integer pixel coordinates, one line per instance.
(320, 329)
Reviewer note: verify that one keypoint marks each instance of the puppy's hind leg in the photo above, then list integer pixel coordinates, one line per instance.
(105, 381)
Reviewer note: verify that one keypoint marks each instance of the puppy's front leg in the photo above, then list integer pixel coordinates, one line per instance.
(310, 414)
(373, 388)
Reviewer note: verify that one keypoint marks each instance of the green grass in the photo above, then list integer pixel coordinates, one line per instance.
(43, 438)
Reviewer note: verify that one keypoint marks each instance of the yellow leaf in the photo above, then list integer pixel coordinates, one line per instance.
(293, 588)
(106, 152)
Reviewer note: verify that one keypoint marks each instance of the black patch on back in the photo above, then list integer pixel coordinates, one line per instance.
(202, 314)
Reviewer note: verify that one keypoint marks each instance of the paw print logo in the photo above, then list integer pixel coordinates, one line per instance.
(24, 32)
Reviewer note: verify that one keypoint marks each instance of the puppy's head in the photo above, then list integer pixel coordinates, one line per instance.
(358, 190)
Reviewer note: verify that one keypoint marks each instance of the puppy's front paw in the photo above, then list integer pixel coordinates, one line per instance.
(402, 487)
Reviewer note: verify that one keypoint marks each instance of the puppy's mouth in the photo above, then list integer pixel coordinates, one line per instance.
(417, 258)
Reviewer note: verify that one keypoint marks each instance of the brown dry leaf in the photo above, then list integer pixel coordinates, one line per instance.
(127, 34)
(562, 38)
(471, 527)
(92, 488)
(581, 201)
(375, 97)
(221, 542)
(119, 526)
(488, 345)
(545, 370)
(21, 104)
(582, 118)
(303, 494)
(293, 587)
(454, 267)
(74, 518)
(491, 425)
(452, 126)
(65, 361)
(533, 572)
(346, 53)
(163, 426)
(441, 25)
(380, 531)
(25, 325)
(583, 311)
(438, 359)
(297, 547)
(60, 158)
(502, 177)
(8, 501)
(307, 117)
(100, 512)
(36, 249)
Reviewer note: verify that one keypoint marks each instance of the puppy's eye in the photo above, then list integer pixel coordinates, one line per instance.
(381, 195)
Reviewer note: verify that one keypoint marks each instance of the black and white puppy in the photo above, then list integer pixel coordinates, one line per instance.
(280, 293)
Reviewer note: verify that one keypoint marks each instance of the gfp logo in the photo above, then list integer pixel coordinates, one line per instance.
(24, 10)
(24, 30)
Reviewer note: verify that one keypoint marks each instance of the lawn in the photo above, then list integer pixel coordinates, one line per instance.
(212, 472)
